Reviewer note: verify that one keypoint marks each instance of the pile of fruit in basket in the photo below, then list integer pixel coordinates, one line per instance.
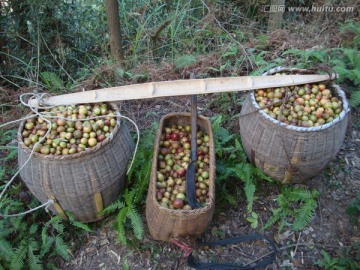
(73, 128)
(173, 159)
(308, 105)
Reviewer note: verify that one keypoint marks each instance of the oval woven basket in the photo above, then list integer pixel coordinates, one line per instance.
(287, 153)
(167, 224)
(83, 183)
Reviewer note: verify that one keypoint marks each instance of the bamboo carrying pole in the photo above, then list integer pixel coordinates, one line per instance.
(180, 88)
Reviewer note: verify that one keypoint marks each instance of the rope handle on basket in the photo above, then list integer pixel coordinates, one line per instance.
(312, 70)
(39, 97)
(257, 263)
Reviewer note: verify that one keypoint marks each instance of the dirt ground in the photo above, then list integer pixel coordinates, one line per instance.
(329, 230)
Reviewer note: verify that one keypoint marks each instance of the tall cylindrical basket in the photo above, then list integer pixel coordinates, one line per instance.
(290, 154)
(83, 183)
(168, 224)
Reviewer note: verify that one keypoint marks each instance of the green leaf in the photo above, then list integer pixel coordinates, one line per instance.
(249, 193)
(254, 224)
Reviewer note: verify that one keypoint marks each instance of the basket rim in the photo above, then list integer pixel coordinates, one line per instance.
(339, 91)
(177, 212)
(86, 152)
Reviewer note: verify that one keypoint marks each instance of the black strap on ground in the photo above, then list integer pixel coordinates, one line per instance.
(261, 263)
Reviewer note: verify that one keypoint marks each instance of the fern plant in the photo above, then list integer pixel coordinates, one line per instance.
(29, 241)
(344, 262)
(28, 245)
(344, 61)
(138, 177)
(296, 208)
(232, 168)
(352, 27)
(308, 58)
(52, 81)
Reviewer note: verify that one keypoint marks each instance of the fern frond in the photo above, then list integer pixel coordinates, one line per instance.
(18, 258)
(33, 228)
(112, 207)
(120, 225)
(61, 248)
(337, 63)
(260, 175)
(240, 151)
(304, 214)
(276, 216)
(5, 230)
(283, 202)
(77, 224)
(136, 222)
(282, 224)
(128, 197)
(16, 222)
(33, 260)
(52, 81)
(56, 223)
(295, 52)
(354, 76)
(124, 263)
(230, 198)
(353, 57)
(143, 180)
(47, 243)
(243, 171)
(297, 194)
(6, 251)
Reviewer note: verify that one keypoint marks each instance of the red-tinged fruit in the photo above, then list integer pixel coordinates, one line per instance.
(178, 203)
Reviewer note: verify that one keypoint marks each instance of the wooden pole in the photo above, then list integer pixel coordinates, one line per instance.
(180, 88)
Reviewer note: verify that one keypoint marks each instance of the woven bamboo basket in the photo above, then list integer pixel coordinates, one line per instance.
(167, 224)
(287, 153)
(83, 183)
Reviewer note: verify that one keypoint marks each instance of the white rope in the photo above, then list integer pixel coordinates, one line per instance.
(39, 98)
(47, 204)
